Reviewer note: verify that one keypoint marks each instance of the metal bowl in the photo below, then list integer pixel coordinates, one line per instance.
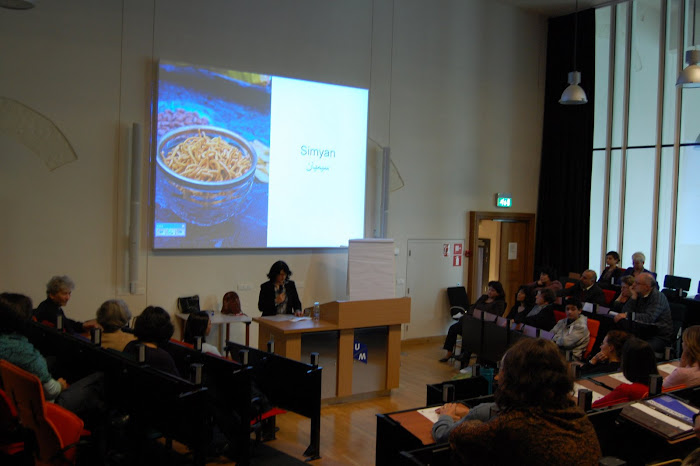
(203, 202)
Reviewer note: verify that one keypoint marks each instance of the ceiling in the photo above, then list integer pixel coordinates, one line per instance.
(551, 8)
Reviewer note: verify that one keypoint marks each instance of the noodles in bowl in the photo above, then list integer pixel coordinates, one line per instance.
(207, 173)
(205, 158)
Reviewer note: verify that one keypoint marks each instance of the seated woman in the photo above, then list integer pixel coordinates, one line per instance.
(199, 325)
(279, 295)
(542, 313)
(84, 397)
(58, 293)
(493, 301)
(153, 329)
(524, 300)
(571, 333)
(547, 280)
(612, 272)
(231, 304)
(608, 358)
(15, 313)
(688, 373)
(535, 409)
(638, 260)
(638, 363)
(113, 315)
(626, 284)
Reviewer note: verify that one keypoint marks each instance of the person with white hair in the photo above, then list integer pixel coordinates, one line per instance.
(58, 293)
(649, 306)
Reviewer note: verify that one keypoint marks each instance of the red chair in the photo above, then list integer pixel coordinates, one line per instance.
(609, 296)
(559, 315)
(57, 430)
(593, 327)
(11, 435)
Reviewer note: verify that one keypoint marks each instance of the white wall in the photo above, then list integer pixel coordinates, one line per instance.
(456, 91)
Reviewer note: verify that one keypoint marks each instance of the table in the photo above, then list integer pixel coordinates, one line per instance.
(344, 319)
(224, 320)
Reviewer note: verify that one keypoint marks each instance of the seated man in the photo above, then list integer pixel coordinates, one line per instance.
(585, 290)
(542, 314)
(649, 306)
(58, 293)
(571, 334)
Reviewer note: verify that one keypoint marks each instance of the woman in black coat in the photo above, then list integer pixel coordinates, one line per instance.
(278, 295)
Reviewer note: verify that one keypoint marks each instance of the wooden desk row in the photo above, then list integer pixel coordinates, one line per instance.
(405, 436)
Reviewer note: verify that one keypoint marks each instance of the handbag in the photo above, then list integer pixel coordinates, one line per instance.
(188, 304)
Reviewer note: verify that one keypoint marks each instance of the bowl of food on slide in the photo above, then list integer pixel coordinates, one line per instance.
(208, 172)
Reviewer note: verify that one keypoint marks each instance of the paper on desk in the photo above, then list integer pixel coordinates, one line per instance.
(596, 396)
(667, 368)
(297, 319)
(457, 316)
(619, 377)
(662, 417)
(279, 317)
(430, 414)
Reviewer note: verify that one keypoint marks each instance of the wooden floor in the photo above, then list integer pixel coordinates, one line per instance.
(348, 429)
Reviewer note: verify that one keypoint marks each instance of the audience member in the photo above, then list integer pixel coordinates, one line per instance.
(638, 363)
(571, 333)
(524, 300)
(279, 295)
(231, 304)
(608, 358)
(637, 268)
(113, 315)
(84, 397)
(493, 301)
(542, 313)
(585, 290)
(688, 373)
(547, 280)
(649, 306)
(199, 325)
(538, 422)
(626, 284)
(454, 414)
(153, 329)
(612, 272)
(58, 293)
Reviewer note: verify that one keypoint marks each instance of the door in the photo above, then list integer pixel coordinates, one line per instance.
(431, 267)
(512, 263)
(515, 251)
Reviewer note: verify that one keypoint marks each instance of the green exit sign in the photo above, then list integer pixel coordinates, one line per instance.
(503, 200)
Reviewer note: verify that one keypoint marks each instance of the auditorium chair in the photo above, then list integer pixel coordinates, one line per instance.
(459, 300)
(11, 434)
(56, 430)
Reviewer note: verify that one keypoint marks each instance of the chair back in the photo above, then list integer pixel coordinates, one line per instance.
(458, 298)
(593, 327)
(53, 426)
(11, 436)
(559, 315)
(609, 296)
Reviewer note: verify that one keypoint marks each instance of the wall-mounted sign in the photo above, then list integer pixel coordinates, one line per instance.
(504, 200)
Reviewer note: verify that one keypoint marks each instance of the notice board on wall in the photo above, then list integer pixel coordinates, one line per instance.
(371, 269)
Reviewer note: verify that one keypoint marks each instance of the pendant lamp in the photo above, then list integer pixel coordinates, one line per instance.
(690, 76)
(574, 94)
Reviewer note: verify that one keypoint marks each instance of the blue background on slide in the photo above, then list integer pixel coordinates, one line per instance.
(227, 103)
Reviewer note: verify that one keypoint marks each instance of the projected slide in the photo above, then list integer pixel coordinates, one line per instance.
(247, 160)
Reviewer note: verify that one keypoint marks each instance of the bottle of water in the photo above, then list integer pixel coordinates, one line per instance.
(316, 314)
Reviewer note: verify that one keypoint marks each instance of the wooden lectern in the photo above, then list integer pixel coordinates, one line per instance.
(344, 317)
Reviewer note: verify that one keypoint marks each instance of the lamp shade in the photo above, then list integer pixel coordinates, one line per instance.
(690, 76)
(574, 94)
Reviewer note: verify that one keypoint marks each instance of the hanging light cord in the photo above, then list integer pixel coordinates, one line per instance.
(575, 34)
